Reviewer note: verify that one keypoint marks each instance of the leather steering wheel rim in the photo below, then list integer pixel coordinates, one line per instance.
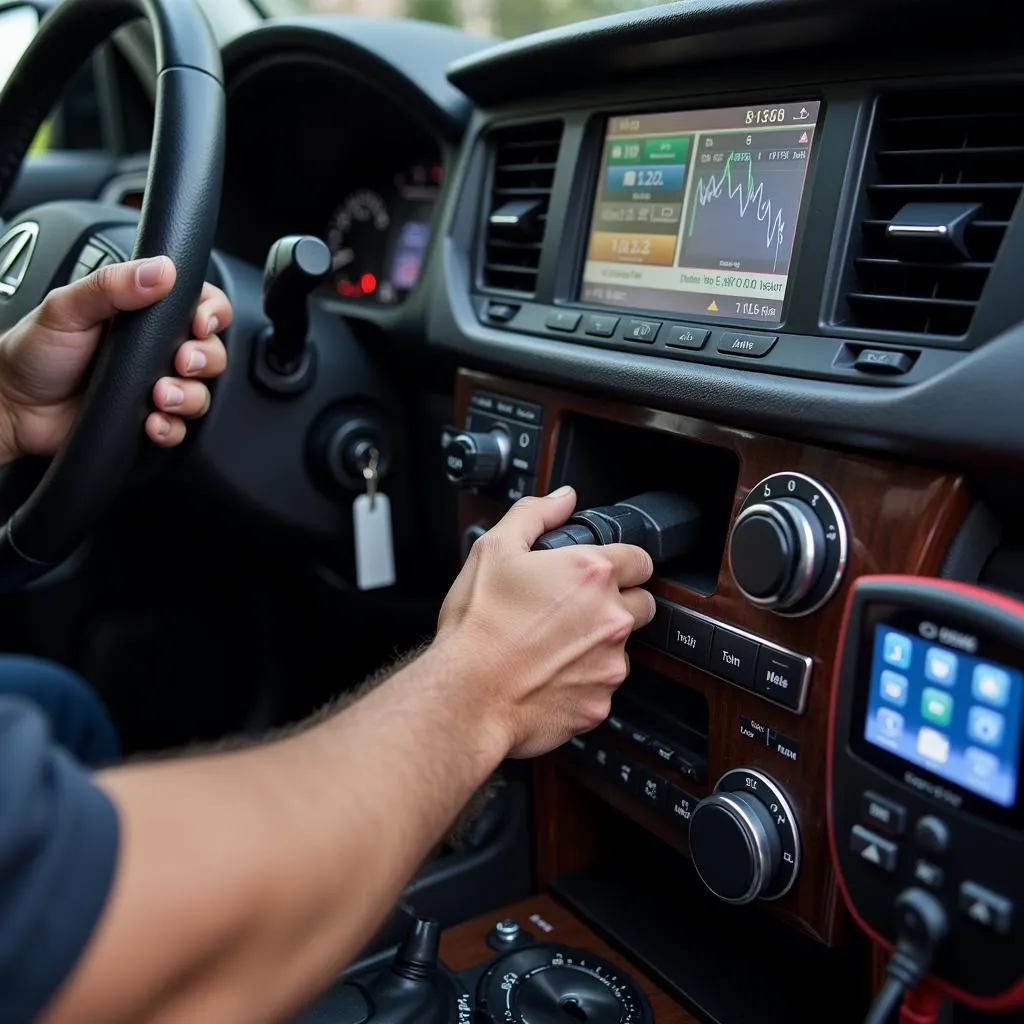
(178, 219)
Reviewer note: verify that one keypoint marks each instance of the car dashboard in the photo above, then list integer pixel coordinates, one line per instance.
(764, 258)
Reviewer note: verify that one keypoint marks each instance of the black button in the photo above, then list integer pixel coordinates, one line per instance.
(525, 448)
(518, 486)
(783, 745)
(661, 750)
(985, 907)
(883, 814)
(615, 723)
(601, 755)
(578, 746)
(622, 771)
(504, 406)
(561, 320)
(929, 874)
(650, 787)
(876, 360)
(873, 848)
(485, 403)
(527, 412)
(687, 337)
(689, 638)
(679, 805)
(751, 345)
(752, 729)
(691, 767)
(655, 633)
(932, 834)
(638, 736)
(501, 312)
(642, 330)
(733, 657)
(780, 677)
(600, 326)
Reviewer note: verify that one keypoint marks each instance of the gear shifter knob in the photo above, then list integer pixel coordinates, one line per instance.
(295, 265)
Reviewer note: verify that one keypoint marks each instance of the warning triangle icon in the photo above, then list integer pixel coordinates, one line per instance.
(871, 853)
(980, 913)
(713, 308)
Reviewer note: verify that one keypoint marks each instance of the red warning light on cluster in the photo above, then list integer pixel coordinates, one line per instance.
(368, 284)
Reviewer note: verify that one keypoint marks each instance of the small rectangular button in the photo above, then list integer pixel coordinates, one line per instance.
(689, 638)
(679, 805)
(528, 413)
(783, 745)
(525, 448)
(485, 403)
(651, 787)
(518, 486)
(504, 406)
(691, 767)
(985, 907)
(655, 633)
(622, 771)
(661, 750)
(780, 677)
(600, 326)
(687, 337)
(501, 312)
(733, 657)
(929, 874)
(600, 754)
(753, 346)
(873, 848)
(642, 330)
(562, 320)
(884, 814)
(881, 361)
(752, 729)
(638, 736)
(616, 724)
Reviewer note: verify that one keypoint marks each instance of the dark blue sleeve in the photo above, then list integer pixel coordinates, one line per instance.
(58, 851)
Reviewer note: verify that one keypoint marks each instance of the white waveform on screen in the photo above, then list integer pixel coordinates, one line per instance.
(711, 190)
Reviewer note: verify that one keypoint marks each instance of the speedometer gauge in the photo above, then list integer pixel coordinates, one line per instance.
(358, 239)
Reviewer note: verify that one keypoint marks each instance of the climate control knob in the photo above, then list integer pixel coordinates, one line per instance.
(476, 460)
(743, 839)
(787, 549)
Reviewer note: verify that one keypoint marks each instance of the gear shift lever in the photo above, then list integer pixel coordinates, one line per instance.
(295, 265)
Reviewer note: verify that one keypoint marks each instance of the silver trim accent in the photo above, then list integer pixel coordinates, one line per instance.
(753, 831)
(807, 660)
(916, 230)
(13, 247)
(804, 579)
(781, 799)
(840, 519)
(504, 442)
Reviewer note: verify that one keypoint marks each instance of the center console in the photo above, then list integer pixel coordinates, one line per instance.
(717, 743)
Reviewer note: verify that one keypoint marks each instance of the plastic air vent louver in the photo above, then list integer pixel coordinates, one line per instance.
(523, 161)
(941, 184)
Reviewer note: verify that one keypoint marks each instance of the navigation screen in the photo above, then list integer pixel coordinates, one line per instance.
(696, 211)
(956, 715)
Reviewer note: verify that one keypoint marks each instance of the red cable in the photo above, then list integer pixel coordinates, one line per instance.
(921, 1006)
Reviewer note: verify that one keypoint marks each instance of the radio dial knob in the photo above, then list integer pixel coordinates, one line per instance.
(787, 549)
(476, 460)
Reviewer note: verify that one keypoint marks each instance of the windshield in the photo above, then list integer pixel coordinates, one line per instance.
(504, 18)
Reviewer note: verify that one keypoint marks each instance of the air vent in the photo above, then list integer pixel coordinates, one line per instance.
(523, 171)
(946, 174)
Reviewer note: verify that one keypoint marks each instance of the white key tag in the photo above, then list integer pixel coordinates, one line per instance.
(371, 521)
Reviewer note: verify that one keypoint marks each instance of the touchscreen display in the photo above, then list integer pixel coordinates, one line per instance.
(957, 715)
(696, 211)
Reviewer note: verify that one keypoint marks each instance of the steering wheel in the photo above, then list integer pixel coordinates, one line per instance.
(40, 250)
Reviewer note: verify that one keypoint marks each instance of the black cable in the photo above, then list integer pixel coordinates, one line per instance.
(921, 925)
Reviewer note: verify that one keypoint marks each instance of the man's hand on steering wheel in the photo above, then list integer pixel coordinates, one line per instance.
(45, 357)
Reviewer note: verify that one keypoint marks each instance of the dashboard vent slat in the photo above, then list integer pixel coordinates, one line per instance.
(931, 150)
(523, 162)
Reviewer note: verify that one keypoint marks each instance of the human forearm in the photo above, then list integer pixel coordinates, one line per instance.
(247, 879)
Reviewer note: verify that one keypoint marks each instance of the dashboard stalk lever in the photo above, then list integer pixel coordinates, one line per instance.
(295, 265)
